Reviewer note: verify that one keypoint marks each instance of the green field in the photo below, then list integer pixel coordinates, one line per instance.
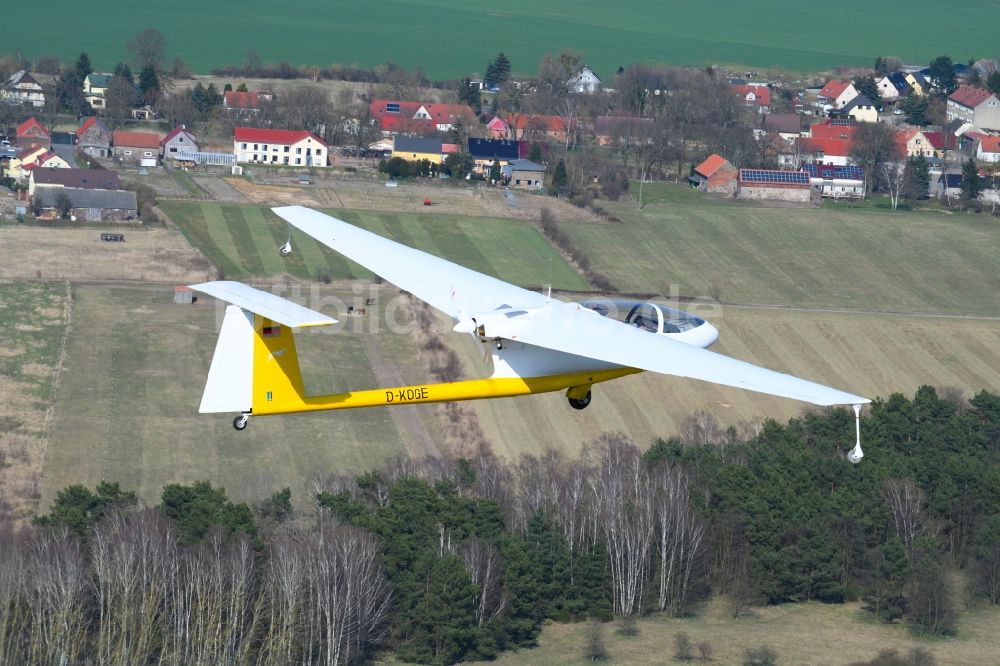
(843, 258)
(446, 37)
(242, 241)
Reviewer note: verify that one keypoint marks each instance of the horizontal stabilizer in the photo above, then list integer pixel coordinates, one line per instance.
(275, 308)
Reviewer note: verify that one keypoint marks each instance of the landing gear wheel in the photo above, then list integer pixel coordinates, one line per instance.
(580, 404)
(241, 421)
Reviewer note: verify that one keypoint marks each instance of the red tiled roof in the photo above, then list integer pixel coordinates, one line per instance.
(136, 139)
(761, 93)
(174, 132)
(23, 128)
(235, 99)
(989, 144)
(936, 139)
(86, 125)
(284, 137)
(827, 130)
(710, 165)
(29, 151)
(391, 119)
(496, 125)
(834, 147)
(834, 88)
(444, 113)
(536, 121)
(969, 96)
(449, 148)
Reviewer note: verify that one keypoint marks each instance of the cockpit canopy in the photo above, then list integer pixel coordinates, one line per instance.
(651, 316)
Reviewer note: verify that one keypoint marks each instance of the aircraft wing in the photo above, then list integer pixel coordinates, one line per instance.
(564, 327)
(572, 329)
(455, 290)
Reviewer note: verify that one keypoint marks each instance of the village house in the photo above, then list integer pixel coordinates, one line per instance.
(974, 105)
(414, 149)
(291, 147)
(836, 182)
(497, 129)
(756, 96)
(94, 138)
(88, 179)
(178, 142)
(714, 175)
(536, 127)
(893, 87)
(95, 87)
(142, 148)
(918, 84)
(623, 130)
(398, 117)
(584, 82)
(837, 93)
(765, 184)
(29, 159)
(32, 134)
(861, 109)
(988, 149)
(23, 88)
(829, 142)
(245, 104)
(787, 125)
(912, 142)
(485, 152)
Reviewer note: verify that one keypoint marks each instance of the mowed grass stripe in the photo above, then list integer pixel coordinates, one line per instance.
(206, 229)
(243, 240)
(263, 241)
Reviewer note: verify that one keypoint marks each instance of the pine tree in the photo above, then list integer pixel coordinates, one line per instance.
(148, 80)
(198, 98)
(123, 70)
(503, 68)
(490, 78)
(942, 75)
(560, 179)
(915, 108)
(917, 179)
(212, 96)
(83, 66)
(972, 183)
(469, 94)
(535, 154)
(495, 172)
(867, 86)
(881, 67)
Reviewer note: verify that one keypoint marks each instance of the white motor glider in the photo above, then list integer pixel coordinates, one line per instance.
(538, 344)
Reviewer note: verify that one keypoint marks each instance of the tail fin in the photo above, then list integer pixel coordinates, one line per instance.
(255, 367)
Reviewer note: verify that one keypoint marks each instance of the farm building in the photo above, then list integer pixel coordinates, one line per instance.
(245, 104)
(715, 174)
(526, 175)
(94, 138)
(623, 130)
(267, 146)
(179, 141)
(837, 182)
(765, 184)
(988, 149)
(89, 205)
(90, 179)
(141, 148)
(531, 127)
(23, 88)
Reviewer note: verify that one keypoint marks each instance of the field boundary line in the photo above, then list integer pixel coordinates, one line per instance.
(56, 378)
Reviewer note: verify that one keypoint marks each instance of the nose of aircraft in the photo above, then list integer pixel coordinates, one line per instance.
(709, 335)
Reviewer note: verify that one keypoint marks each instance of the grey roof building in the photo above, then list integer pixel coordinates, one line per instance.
(108, 200)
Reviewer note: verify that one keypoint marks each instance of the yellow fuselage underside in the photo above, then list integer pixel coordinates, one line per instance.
(278, 386)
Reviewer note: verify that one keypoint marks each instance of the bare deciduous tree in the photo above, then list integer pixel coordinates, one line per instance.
(904, 499)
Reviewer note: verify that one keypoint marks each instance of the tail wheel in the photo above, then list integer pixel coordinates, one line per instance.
(580, 403)
(241, 422)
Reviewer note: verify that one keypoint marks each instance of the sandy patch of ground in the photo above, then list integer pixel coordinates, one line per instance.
(154, 255)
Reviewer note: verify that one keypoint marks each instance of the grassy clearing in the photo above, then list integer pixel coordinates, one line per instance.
(806, 634)
(127, 405)
(864, 259)
(34, 316)
(242, 241)
(400, 30)
(156, 255)
(867, 354)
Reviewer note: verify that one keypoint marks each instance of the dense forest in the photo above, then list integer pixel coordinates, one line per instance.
(442, 560)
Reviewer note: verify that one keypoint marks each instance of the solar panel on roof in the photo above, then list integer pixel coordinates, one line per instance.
(840, 172)
(766, 176)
